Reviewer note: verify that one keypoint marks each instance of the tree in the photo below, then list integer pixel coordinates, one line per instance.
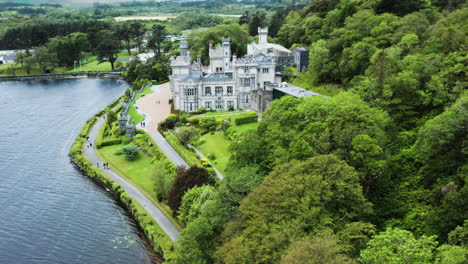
(28, 64)
(108, 47)
(111, 117)
(123, 32)
(184, 181)
(258, 19)
(399, 246)
(161, 180)
(188, 134)
(45, 59)
(137, 32)
(157, 38)
(68, 49)
(320, 249)
(297, 199)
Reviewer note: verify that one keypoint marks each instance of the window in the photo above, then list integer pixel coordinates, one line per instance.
(190, 107)
(265, 70)
(245, 82)
(265, 84)
(229, 90)
(230, 104)
(208, 105)
(219, 105)
(191, 91)
(207, 90)
(245, 98)
(219, 90)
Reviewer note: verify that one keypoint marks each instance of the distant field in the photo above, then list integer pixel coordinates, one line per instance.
(153, 17)
(162, 17)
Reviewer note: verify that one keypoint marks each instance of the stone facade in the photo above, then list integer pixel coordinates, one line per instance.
(228, 81)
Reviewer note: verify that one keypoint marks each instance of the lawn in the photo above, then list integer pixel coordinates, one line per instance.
(134, 115)
(246, 127)
(138, 171)
(218, 145)
(230, 118)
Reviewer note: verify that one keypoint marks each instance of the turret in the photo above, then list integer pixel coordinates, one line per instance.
(262, 35)
(183, 47)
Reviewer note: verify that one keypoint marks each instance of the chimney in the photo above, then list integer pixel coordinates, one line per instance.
(234, 58)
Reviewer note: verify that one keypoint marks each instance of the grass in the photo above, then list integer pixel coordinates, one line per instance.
(230, 118)
(137, 172)
(135, 116)
(218, 145)
(246, 127)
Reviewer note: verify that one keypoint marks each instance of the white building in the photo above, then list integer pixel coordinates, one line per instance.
(228, 81)
(7, 56)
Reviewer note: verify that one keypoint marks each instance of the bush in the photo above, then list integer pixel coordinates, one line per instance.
(184, 181)
(131, 152)
(200, 111)
(246, 120)
(208, 124)
(126, 140)
(188, 134)
(111, 141)
(211, 156)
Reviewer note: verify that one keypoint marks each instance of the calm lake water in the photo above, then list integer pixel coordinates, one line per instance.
(50, 212)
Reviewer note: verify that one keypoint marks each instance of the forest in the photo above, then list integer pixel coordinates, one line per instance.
(375, 173)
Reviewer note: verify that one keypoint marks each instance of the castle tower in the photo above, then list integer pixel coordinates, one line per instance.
(226, 53)
(262, 35)
(183, 47)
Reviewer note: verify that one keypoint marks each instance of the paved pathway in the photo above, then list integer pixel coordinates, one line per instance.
(152, 209)
(155, 108)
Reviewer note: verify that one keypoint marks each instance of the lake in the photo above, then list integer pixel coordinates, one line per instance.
(49, 211)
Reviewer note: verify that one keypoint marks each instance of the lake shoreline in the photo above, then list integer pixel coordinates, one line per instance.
(91, 75)
(162, 245)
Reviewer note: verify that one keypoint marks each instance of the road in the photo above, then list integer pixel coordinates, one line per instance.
(152, 209)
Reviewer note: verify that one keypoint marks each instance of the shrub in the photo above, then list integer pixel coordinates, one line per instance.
(208, 124)
(211, 156)
(131, 152)
(246, 120)
(126, 140)
(111, 141)
(111, 117)
(231, 108)
(188, 134)
(184, 181)
(170, 121)
(200, 111)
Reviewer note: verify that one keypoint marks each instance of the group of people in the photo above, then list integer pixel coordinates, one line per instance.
(88, 142)
(105, 165)
(143, 124)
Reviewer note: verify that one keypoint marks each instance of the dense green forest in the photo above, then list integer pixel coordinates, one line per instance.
(375, 174)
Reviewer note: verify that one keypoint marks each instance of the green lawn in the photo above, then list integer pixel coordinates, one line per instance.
(135, 116)
(138, 172)
(230, 118)
(246, 127)
(218, 145)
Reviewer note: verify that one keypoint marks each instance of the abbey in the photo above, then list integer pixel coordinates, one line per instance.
(228, 82)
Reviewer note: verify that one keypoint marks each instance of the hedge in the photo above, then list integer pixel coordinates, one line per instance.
(111, 141)
(245, 120)
(187, 154)
(160, 241)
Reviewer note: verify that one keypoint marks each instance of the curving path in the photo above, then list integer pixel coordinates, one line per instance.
(152, 209)
(155, 108)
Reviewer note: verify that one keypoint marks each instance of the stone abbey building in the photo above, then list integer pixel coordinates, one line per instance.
(229, 82)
